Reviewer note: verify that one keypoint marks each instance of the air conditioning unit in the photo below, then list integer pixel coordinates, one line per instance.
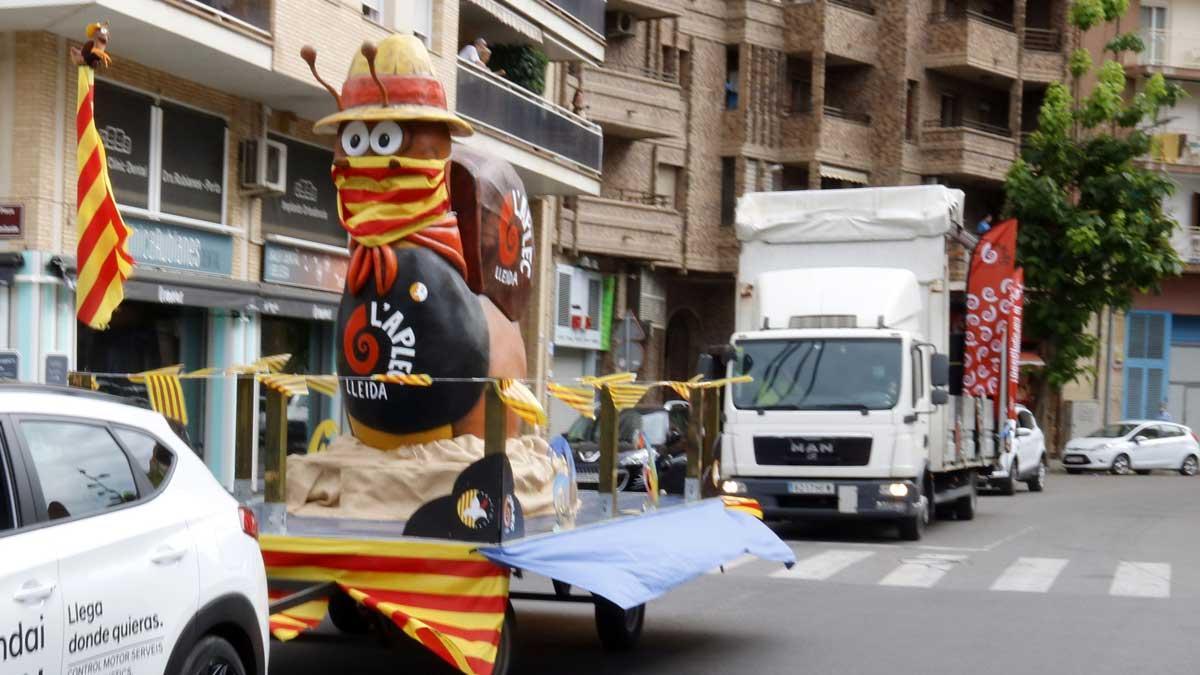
(620, 25)
(579, 295)
(263, 166)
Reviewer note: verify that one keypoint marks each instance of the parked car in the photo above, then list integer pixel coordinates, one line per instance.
(1026, 463)
(1135, 445)
(662, 428)
(119, 546)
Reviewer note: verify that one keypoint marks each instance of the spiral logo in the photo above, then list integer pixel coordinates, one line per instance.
(992, 387)
(969, 380)
(997, 346)
(968, 361)
(982, 353)
(983, 372)
(360, 347)
(989, 294)
(988, 254)
(985, 333)
(972, 301)
(989, 314)
(979, 390)
(970, 339)
(510, 241)
(972, 320)
(1006, 307)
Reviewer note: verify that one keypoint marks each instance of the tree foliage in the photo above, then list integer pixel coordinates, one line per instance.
(522, 64)
(1092, 226)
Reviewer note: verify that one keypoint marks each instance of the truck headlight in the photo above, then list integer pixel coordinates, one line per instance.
(733, 487)
(897, 489)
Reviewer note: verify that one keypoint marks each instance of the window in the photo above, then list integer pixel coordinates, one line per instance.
(950, 116)
(1147, 363)
(149, 456)
(372, 10)
(918, 377)
(728, 189)
(1154, 33)
(8, 504)
(80, 468)
(666, 186)
(669, 55)
(1025, 420)
(410, 15)
(731, 77)
(1169, 431)
(1149, 432)
(911, 114)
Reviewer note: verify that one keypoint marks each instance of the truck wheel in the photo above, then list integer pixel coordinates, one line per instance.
(1009, 487)
(213, 655)
(913, 528)
(964, 507)
(619, 629)
(1038, 482)
(347, 616)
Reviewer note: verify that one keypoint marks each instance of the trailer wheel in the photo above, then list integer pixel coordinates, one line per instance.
(964, 507)
(347, 616)
(619, 629)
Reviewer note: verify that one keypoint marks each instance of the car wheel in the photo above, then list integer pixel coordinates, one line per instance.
(1038, 482)
(1120, 465)
(1074, 472)
(964, 507)
(1009, 487)
(1190, 466)
(619, 629)
(213, 656)
(347, 615)
(622, 480)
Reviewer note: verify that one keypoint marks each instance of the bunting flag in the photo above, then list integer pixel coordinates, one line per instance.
(203, 373)
(290, 385)
(102, 255)
(717, 384)
(684, 389)
(290, 623)
(166, 395)
(412, 380)
(323, 384)
(627, 395)
(520, 400)
(273, 364)
(615, 378)
(140, 378)
(581, 399)
(83, 381)
(446, 596)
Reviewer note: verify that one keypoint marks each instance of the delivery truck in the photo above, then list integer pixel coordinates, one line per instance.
(844, 321)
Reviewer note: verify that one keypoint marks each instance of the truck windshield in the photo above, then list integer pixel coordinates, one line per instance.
(818, 374)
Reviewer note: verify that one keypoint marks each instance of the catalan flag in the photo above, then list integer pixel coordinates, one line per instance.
(446, 596)
(521, 401)
(582, 399)
(291, 385)
(627, 395)
(166, 395)
(103, 259)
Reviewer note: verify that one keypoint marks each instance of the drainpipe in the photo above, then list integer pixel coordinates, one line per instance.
(1109, 366)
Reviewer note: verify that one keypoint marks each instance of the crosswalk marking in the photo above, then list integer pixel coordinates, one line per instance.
(1030, 575)
(824, 565)
(922, 571)
(1142, 580)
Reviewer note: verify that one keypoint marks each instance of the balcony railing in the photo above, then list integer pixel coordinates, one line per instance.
(957, 14)
(589, 12)
(494, 102)
(638, 197)
(650, 73)
(974, 125)
(1170, 48)
(848, 115)
(252, 14)
(1176, 147)
(863, 6)
(1043, 39)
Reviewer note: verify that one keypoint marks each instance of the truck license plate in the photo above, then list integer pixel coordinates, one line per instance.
(810, 488)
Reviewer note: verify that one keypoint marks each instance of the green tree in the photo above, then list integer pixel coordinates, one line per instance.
(1092, 226)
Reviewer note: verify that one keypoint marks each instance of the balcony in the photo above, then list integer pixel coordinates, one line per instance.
(254, 15)
(848, 29)
(574, 29)
(1176, 151)
(647, 9)
(554, 150)
(967, 150)
(968, 44)
(1043, 58)
(628, 225)
(846, 139)
(1171, 52)
(633, 103)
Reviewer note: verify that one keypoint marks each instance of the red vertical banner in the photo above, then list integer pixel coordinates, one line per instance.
(990, 284)
(1016, 298)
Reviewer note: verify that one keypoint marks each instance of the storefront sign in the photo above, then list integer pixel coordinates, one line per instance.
(10, 365)
(181, 248)
(11, 220)
(301, 267)
(123, 120)
(308, 210)
(191, 296)
(298, 309)
(57, 368)
(193, 164)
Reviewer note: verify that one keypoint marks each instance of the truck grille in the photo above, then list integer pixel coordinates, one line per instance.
(811, 451)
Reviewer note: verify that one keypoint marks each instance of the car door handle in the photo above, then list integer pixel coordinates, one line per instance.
(167, 555)
(31, 592)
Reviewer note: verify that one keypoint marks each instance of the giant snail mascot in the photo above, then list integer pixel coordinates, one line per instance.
(440, 270)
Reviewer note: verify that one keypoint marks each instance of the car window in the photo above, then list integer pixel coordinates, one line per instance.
(1169, 431)
(656, 424)
(1149, 431)
(8, 502)
(679, 419)
(80, 468)
(1025, 420)
(149, 456)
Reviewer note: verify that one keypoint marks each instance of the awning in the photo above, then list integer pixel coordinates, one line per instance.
(848, 175)
(511, 19)
(1032, 359)
(188, 295)
(635, 559)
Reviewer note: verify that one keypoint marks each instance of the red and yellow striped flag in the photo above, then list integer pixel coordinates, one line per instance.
(102, 256)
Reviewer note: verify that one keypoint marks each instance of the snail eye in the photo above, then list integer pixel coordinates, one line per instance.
(355, 138)
(386, 138)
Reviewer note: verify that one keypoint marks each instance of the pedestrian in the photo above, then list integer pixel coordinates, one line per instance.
(984, 225)
(1162, 412)
(471, 53)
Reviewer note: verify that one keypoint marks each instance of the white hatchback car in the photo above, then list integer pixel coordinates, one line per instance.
(1135, 445)
(119, 552)
(1027, 460)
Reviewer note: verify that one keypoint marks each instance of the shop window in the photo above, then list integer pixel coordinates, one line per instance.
(728, 189)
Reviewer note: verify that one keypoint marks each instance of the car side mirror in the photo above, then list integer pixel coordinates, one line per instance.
(1139, 439)
(673, 437)
(1021, 431)
(939, 397)
(939, 370)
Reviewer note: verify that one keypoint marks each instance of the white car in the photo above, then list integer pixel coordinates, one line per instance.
(1026, 462)
(119, 552)
(1135, 445)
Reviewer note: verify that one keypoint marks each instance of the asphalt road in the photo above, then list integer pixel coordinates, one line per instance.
(1099, 574)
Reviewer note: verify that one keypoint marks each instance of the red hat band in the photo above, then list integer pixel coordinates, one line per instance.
(401, 90)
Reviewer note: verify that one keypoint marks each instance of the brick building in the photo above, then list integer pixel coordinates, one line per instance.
(703, 100)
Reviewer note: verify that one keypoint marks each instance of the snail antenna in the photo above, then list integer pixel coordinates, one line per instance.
(310, 57)
(368, 52)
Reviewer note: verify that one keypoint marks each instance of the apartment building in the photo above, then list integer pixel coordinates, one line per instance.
(703, 100)
(205, 103)
(1156, 347)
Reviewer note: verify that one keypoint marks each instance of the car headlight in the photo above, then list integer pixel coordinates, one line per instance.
(733, 487)
(635, 457)
(897, 489)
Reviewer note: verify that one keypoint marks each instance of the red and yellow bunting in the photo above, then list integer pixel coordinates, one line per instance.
(289, 623)
(323, 384)
(627, 395)
(272, 364)
(166, 395)
(102, 251)
(289, 385)
(581, 399)
(521, 401)
(414, 380)
(615, 378)
(445, 596)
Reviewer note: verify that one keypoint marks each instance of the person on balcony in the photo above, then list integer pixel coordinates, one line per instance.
(471, 53)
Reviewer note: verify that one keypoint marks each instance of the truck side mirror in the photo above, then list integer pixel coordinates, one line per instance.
(939, 370)
(705, 365)
(939, 397)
